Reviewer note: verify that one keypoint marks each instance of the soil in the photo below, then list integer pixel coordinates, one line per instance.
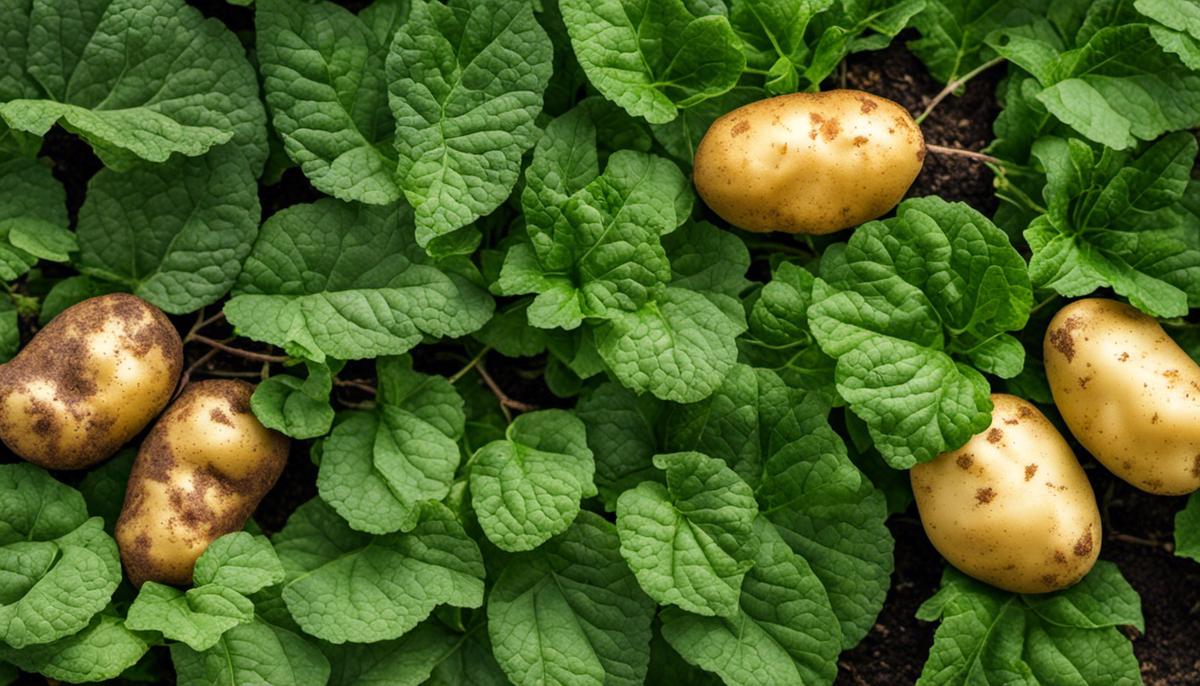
(1138, 526)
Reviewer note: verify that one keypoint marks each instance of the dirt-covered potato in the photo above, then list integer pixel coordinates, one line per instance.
(88, 382)
(810, 163)
(1129, 394)
(199, 475)
(1012, 507)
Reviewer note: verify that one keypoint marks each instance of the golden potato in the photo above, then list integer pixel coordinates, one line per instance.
(201, 472)
(88, 382)
(810, 163)
(1012, 507)
(1129, 394)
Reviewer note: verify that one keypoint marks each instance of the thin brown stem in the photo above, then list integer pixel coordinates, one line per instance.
(233, 373)
(506, 403)
(359, 384)
(1145, 542)
(238, 352)
(454, 378)
(982, 157)
(955, 85)
(187, 373)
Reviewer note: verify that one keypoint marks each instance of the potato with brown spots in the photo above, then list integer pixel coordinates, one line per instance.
(1129, 394)
(810, 163)
(199, 475)
(87, 383)
(1012, 507)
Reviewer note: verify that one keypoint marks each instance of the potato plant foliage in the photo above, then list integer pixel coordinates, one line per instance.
(723, 420)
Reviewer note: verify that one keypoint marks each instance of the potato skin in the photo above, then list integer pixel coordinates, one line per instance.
(87, 383)
(810, 163)
(199, 475)
(1012, 507)
(1129, 394)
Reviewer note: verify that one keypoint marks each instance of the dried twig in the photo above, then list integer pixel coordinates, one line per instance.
(506, 403)
(955, 85)
(238, 352)
(982, 157)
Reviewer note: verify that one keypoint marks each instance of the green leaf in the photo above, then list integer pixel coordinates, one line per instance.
(901, 305)
(690, 542)
(101, 651)
(33, 216)
(174, 234)
(682, 135)
(10, 330)
(197, 617)
(1177, 28)
(1187, 530)
(349, 281)
(678, 347)
(406, 661)
(103, 487)
(527, 487)
(622, 432)
(398, 579)
(772, 33)
(59, 568)
(378, 467)
(653, 57)
(240, 561)
(953, 32)
(293, 407)
(1113, 222)
(253, 653)
(471, 663)
(779, 337)
(323, 74)
(784, 631)
(571, 612)
(1068, 637)
(122, 75)
(71, 291)
(465, 82)
(1108, 79)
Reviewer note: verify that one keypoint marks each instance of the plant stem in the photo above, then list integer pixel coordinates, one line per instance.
(980, 156)
(1043, 303)
(238, 352)
(955, 85)
(358, 384)
(454, 378)
(506, 402)
(187, 373)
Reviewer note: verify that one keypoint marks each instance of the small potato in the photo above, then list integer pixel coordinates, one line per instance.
(809, 163)
(199, 475)
(1012, 507)
(88, 382)
(1129, 394)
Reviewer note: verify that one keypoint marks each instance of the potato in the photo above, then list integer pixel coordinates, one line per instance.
(810, 163)
(1129, 394)
(88, 382)
(1012, 507)
(199, 475)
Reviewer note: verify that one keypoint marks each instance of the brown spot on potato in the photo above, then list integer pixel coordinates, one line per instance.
(868, 105)
(1030, 470)
(1084, 544)
(1024, 412)
(984, 496)
(1171, 373)
(1196, 466)
(994, 435)
(1153, 484)
(739, 128)
(860, 141)
(1051, 580)
(1083, 381)
(219, 417)
(1154, 419)
(1059, 557)
(1123, 357)
(1011, 421)
(1062, 340)
(964, 461)
(830, 129)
